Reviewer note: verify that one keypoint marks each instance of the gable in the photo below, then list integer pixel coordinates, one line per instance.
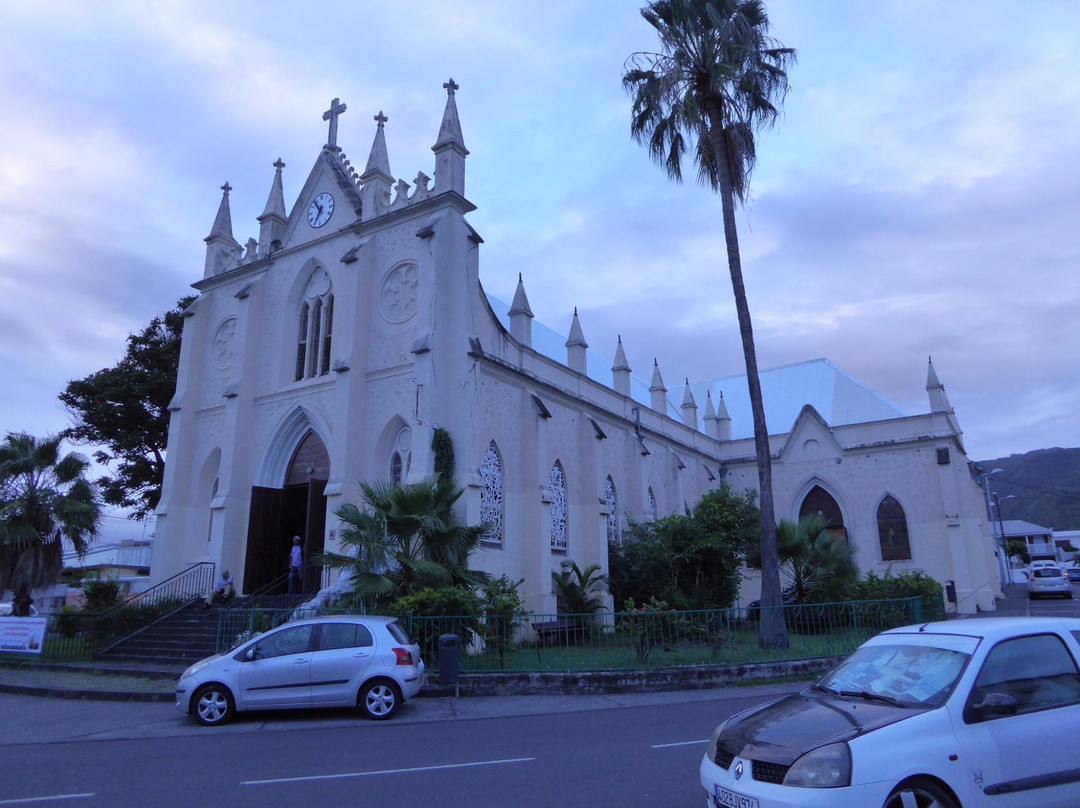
(331, 178)
(810, 439)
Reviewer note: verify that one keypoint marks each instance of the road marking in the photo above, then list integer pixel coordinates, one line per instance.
(385, 771)
(680, 743)
(24, 800)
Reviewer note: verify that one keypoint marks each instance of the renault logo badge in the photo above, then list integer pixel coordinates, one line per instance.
(738, 770)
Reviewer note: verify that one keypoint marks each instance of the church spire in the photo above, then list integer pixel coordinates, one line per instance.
(222, 250)
(449, 148)
(377, 178)
(620, 371)
(939, 402)
(576, 346)
(222, 227)
(657, 391)
(521, 316)
(273, 219)
(689, 407)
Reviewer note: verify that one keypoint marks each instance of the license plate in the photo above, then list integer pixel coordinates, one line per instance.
(732, 799)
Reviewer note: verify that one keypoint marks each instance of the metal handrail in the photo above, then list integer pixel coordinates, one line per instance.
(149, 596)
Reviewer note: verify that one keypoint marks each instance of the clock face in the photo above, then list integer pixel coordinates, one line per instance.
(320, 210)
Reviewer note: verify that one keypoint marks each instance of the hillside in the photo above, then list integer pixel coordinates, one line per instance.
(1045, 484)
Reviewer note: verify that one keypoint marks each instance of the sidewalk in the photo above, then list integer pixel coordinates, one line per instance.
(128, 682)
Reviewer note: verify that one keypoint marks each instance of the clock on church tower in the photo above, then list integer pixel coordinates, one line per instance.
(320, 210)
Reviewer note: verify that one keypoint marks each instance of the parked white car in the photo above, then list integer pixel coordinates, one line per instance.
(334, 661)
(954, 714)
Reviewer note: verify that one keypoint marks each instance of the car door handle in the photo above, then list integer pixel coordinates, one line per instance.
(301, 661)
(361, 655)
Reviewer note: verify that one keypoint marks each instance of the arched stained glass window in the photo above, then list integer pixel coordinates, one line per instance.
(611, 502)
(892, 530)
(491, 495)
(820, 502)
(557, 490)
(401, 456)
(650, 506)
(315, 327)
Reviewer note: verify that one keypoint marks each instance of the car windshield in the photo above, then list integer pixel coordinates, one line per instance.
(1047, 572)
(908, 675)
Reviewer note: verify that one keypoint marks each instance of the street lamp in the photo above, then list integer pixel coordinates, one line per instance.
(1001, 522)
(1004, 573)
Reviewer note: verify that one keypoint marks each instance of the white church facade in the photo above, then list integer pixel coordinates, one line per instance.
(330, 349)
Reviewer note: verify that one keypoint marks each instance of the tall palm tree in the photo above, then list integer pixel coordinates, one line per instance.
(45, 497)
(717, 79)
(405, 538)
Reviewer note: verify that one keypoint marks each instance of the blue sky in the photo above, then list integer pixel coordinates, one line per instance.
(918, 197)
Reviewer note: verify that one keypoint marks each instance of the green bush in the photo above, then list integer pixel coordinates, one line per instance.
(460, 606)
(903, 585)
(101, 594)
(503, 609)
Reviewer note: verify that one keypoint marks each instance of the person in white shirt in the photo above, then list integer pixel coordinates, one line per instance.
(224, 589)
(295, 564)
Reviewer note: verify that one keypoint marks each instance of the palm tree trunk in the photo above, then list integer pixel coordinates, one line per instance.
(772, 630)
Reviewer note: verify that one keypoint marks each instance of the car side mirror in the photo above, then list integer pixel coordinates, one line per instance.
(994, 705)
(249, 654)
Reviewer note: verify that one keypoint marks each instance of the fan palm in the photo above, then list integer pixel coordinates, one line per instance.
(405, 538)
(815, 561)
(578, 591)
(45, 497)
(718, 78)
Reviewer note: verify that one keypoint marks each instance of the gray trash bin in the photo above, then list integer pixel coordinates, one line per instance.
(448, 659)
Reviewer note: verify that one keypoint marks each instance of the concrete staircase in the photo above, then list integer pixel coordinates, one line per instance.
(186, 635)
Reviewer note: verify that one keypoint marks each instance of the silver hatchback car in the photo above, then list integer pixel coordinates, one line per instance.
(334, 661)
(1047, 580)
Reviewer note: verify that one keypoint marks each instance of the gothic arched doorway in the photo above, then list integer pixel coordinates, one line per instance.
(298, 508)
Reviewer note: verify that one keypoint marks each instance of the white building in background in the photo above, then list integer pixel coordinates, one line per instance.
(328, 350)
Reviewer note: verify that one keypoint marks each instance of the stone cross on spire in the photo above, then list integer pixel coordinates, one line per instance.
(331, 115)
(279, 164)
(380, 119)
(226, 187)
(450, 86)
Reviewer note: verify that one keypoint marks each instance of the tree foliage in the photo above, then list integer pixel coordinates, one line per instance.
(687, 561)
(405, 538)
(717, 79)
(125, 409)
(578, 591)
(45, 498)
(818, 564)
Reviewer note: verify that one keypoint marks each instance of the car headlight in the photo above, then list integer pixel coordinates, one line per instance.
(710, 752)
(198, 666)
(824, 767)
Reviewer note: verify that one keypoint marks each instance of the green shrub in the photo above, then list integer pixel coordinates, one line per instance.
(101, 594)
(503, 608)
(903, 585)
(460, 607)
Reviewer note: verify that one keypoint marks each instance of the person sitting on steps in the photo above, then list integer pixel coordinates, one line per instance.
(223, 589)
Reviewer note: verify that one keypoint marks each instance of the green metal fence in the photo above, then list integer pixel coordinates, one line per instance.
(620, 640)
(75, 636)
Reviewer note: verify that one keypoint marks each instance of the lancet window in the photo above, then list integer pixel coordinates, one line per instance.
(650, 506)
(491, 495)
(401, 456)
(611, 502)
(892, 530)
(315, 328)
(557, 491)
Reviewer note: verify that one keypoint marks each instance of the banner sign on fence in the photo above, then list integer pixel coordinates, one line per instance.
(24, 635)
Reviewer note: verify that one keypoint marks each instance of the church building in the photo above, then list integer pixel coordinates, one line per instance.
(329, 350)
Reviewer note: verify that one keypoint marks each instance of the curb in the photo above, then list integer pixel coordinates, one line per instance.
(85, 695)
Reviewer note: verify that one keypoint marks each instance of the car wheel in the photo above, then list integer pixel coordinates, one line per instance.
(920, 793)
(379, 699)
(213, 705)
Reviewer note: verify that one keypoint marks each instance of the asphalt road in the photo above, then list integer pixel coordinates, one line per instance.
(633, 750)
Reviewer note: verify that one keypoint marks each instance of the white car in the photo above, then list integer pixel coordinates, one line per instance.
(1048, 579)
(335, 661)
(954, 714)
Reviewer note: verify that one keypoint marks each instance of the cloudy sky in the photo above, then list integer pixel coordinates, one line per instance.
(919, 197)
